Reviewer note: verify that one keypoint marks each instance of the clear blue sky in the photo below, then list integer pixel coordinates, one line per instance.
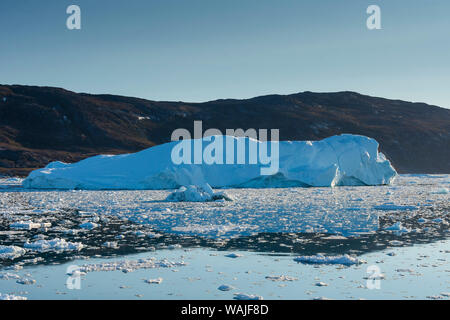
(198, 50)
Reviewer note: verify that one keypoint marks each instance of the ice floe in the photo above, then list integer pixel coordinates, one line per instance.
(53, 245)
(442, 191)
(398, 227)
(11, 297)
(28, 225)
(88, 225)
(26, 281)
(110, 244)
(321, 259)
(321, 284)
(130, 265)
(192, 193)
(393, 207)
(154, 281)
(225, 287)
(281, 278)
(11, 252)
(233, 255)
(244, 296)
(9, 276)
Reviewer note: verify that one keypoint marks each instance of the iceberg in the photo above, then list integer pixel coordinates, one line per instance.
(343, 160)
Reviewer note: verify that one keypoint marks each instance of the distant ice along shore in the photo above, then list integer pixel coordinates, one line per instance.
(344, 160)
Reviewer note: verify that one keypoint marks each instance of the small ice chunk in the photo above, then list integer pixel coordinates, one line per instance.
(26, 281)
(321, 259)
(393, 207)
(29, 225)
(153, 235)
(54, 245)
(225, 287)
(130, 265)
(193, 193)
(391, 254)
(11, 252)
(244, 296)
(110, 244)
(397, 227)
(281, 278)
(11, 297)
(442, 191)
(88, 225)
(395, 242)
(9, 276)
(321, 284)
(154, 281)
(233, 255)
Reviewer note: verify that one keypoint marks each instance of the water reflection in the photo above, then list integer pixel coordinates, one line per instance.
(135, 240)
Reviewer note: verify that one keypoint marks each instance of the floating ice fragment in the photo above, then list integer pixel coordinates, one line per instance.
(9, 276)
(395, 242)
(442, 191)
(28, 225)
(193, 193)
(110, 244)
(11, 252)
(153, 235)
(393, 207)
(225, 287)
(53, 245)
(397, 227)
(26, 281)
(281, 278)
(130, 265)
(233, 255)
(11, 297)
(244, 296)
(154, 281)
(88, 225)
(321, 284)
(321, 259)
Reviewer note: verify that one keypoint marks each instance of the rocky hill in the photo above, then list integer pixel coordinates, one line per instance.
(43, 124)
